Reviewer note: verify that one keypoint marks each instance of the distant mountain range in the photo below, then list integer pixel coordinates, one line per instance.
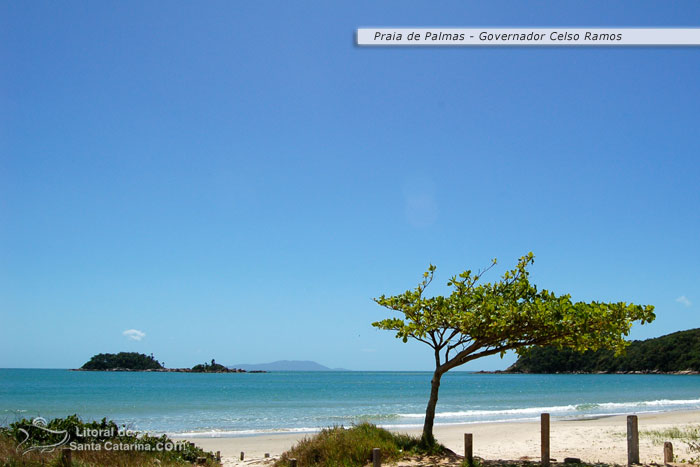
(285, 365)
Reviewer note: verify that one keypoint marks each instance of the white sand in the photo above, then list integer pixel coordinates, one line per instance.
(594, 440)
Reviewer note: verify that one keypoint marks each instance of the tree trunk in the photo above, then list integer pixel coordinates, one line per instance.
(428, 439)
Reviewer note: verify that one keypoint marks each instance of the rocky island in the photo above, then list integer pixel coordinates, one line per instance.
(134, 361)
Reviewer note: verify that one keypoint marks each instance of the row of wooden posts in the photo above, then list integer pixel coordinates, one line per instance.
(632, 442)
(632, 446)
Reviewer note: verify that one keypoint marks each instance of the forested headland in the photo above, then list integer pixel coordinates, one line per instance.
(678, 352)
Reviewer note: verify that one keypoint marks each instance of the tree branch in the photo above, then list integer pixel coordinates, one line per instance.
(464, 353)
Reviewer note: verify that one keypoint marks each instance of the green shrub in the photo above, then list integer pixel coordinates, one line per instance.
(338, 446)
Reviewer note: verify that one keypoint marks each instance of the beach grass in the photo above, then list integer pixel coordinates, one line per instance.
(687, 434)
(350, 447)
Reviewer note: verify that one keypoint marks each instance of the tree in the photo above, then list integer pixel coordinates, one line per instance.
(477, 320)
(122, 360)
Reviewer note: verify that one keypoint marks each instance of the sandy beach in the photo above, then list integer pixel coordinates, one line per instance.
(593, 440)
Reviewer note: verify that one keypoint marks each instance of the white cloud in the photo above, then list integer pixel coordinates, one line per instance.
(684, 300)
(134, 334)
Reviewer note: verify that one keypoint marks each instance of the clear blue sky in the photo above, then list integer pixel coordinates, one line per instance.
(237, 180)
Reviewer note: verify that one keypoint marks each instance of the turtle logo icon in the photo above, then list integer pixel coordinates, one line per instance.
(39, 423)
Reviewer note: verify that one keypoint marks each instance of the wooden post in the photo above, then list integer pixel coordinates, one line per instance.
(267, 454)
(544, 439)
(632, 440)
(292, 462)
(66, 457)
(376, 457)
(242, 455)
(218, 455)
(668, 452)
(469, 448)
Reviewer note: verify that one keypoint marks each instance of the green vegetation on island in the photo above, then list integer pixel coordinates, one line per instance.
(212, 367)
(678, 352)
(132, 361)
(122, 361)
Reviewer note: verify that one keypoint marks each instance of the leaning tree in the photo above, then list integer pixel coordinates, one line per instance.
(481, 319)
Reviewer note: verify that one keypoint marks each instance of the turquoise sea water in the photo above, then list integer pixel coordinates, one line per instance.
(237, 404)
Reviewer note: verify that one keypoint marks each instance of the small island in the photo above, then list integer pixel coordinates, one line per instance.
(134, 361)
(213, 368)
(131, 361)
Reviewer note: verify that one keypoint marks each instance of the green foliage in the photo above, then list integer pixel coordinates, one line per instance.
(476, 320)
(98, 433)
(122, 361)
(679, 351)
(481, 319)
(338, 446)
(212, 367)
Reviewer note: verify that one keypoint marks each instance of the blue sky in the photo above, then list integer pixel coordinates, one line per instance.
(238, 180)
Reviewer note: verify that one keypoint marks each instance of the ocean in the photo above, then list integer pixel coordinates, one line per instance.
(241, 404)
